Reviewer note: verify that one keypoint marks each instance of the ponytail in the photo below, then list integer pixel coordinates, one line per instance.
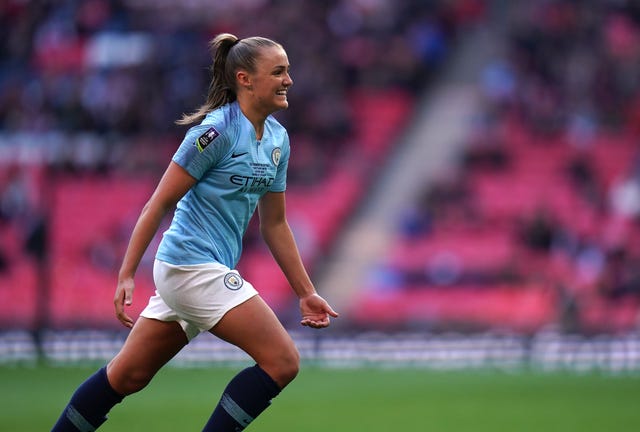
(220, 87)
(229, 54)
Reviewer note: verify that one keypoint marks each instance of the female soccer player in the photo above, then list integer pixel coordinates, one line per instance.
(231, 161)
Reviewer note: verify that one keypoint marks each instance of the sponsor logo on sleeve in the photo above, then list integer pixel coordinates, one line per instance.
(206, 138)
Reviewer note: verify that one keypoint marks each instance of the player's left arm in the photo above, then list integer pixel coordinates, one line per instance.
(278, 236)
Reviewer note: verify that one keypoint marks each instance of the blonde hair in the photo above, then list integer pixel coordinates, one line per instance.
(229, 54)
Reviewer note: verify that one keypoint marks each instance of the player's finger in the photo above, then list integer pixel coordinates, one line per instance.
(306, 322)
(128, 297)
(125, 319)
(331, 312)
(316, 323)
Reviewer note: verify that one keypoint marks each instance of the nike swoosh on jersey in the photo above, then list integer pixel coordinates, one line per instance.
(235, 155)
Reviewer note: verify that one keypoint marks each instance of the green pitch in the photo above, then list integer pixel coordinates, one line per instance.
(357, 400)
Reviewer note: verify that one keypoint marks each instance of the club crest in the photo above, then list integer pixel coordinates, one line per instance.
(275, 156)
(233, 281)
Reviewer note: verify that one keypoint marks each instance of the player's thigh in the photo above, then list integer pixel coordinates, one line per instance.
(149, 346)
(255, 328)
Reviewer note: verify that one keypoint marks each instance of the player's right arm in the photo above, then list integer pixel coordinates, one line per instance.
(173, 185)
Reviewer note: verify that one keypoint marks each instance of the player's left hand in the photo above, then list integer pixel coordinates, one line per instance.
(316, 312)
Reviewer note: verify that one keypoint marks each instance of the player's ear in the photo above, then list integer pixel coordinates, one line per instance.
(243, 79)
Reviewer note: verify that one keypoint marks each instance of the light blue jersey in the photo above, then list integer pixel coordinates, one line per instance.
(233, 170)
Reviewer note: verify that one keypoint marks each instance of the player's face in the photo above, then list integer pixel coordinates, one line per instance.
(271, 80)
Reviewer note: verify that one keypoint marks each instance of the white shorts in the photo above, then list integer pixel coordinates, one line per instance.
(196, 296)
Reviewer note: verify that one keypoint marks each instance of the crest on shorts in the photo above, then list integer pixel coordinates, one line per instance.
(233, 281)
(275, 155)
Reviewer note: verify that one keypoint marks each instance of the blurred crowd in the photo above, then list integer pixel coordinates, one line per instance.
(95, 86)
(94, 73)
(575, 69)
(90, 89)
(562, 113)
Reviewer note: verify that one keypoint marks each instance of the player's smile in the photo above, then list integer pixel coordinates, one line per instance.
(271, 82)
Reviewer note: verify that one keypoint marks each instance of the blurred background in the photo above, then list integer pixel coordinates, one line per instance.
(464, 182)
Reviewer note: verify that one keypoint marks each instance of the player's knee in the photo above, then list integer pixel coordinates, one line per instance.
(127, 382)
(289, 366)
(283, 365)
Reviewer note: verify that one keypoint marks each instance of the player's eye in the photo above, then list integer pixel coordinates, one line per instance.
(281, 71)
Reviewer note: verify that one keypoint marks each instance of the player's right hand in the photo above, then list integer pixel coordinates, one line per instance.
(316, 312)
(123, 298)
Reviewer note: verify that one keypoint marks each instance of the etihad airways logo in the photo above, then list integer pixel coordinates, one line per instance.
(251, 183)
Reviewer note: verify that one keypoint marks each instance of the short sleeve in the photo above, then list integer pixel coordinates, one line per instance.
(202, 147)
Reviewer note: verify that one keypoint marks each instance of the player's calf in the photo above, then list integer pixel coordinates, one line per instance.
(247, 395)
(89, 405)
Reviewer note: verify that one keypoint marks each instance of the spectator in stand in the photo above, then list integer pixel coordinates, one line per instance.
(624, 194)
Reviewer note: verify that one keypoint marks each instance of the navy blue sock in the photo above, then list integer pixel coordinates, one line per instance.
(246, 396)
(89, 405)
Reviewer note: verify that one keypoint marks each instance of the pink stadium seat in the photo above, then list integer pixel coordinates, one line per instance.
(484, 249)
(379, 116)
(259, 268)
(18, 295)
(89, 212)
(597, 314)
(535, 181)
(510, 307)
(613, 156)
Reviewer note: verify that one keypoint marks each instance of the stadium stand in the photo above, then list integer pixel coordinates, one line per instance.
(539, 226)
(97, 121)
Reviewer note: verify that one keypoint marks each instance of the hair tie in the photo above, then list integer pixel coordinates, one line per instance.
(237, 41)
